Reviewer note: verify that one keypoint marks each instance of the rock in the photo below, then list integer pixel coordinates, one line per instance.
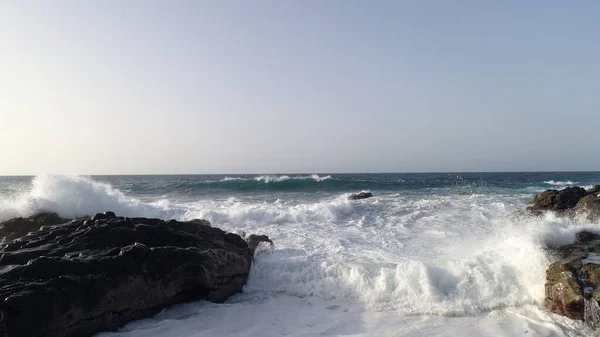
(360, 195)
(586, 236)
(554, 200)
(594, 189)
(85, 276)
(200, 222)
(110, 215)
(99, 216)
(18, 227)
(254, 240)
(590, 205)
(575, 277)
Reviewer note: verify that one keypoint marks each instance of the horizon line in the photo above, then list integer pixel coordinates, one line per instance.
(288, 173)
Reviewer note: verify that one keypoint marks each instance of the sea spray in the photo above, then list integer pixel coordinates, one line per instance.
(73, 196)
(591, 312)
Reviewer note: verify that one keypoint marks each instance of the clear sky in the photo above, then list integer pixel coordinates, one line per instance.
(110, 87)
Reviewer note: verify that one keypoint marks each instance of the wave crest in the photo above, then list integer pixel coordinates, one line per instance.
(278, 179)
(560, 183)
(74, 196)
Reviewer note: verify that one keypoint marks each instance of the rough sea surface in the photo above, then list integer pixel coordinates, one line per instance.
(444, 254)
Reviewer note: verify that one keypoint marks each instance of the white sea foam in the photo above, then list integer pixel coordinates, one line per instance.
(73, 196)
(560, 183)
(281, 178)
(232, 178)
(457, 255)
(383, 266)
(248, 315)
(268, 179)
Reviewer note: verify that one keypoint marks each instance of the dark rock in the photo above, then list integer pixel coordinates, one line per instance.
(586, 236)
(554, 200)
(360, 195)
(18, 227)
(254, 240)
(575, 277)
(86, 276)
(110, 215)
(99, 216)
(200, 222)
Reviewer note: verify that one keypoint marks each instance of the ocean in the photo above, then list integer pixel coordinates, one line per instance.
(432, 254)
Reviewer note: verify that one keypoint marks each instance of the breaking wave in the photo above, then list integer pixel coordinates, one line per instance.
(73, 196)
(560, 183)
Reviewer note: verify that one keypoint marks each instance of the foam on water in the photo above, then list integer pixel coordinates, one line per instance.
(268, 179)
(418, 258)
(281, 178)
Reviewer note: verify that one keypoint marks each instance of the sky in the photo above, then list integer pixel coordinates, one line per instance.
(143, 87)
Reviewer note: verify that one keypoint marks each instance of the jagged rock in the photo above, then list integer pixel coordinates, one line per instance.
(104, 216)
(590, 205)
(87, 276)
(555, 200)
(570, 201)
(574, 277)
(18, 227)
(200, 222)
(254, 240)
(360, 195)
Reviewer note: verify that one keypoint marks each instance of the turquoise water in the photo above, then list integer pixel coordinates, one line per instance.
(195, 185)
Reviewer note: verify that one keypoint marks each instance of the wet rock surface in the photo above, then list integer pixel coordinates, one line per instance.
(557, 200)
(575, 277)
(360, 195)
(573, 281)
(17, 227)
(590, 206)
(570, 201)
(97, 274)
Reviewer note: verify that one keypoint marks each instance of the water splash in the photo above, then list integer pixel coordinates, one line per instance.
(591, 313)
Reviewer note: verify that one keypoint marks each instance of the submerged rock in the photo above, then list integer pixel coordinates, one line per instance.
(87, 276)
(360, 195)
(18, 227)
(575, 277)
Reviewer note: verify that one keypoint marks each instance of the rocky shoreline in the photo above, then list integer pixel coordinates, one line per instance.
(573, 280)
(76, 277)
(67, 278)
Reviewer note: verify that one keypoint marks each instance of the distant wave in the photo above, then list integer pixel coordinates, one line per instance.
(560, 183)
(277, 179)
(271, 182)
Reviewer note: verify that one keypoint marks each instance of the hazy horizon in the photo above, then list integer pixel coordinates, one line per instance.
(284, 173)
(298, 87)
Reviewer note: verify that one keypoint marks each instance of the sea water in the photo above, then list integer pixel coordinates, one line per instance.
(439, 254)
